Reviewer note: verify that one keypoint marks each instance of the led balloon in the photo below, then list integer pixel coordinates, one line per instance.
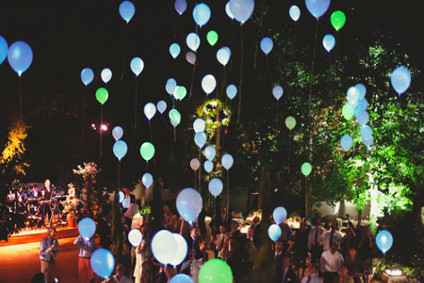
(180, 6)
(87, 76)
(210, 152)
(106, 75)
(181, 278)
(294, 13)
(208, 84)
(338, 19)
(193, 41)
(161, 106)
(180, 92)
(199, 125)
(149, 110)
(127, 10)
(274, 232)
(317, 8)
(102, 95)
(125, 203)
(137, 65)
(223, 55)
(4, 47)
(231, 91)
(228, 11)
(361, 89)
(352, 95)
(212, 37)
(117, 133)
(358, 109)
(328, 42)
(120, 149)
(147, 180)
(384, 240)
(215, 271)
(201, 14)
(19, 56)
(174, 117)
(174, 50)
(346, 142)
(363, 102)
(242, 9)
(366, 132)
(182, 249)
(164, 246)
(208, 166)
(189, 204)
(86, 228)
(170, 86)
(400, 79)
(368, 142)
(191, 57)
(194, 164)
(277, 91)
(121, 196)
(347, 111)
(290, 122)
(266, 45)
(200, 139)
(147, 151)
(306, 168)
(227, 161)
(363, 117)
(215, 187)
(279, 214)
(102, 262)
(135, 237)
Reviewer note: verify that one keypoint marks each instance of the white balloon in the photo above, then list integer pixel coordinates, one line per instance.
(117, 133)
(170, 86)
(277, 91)
(208, 84)
(228, 11)
(135, 237)
(164, 246)
(149, 110)
(199, 125)
(182, 249)
(193, 41)
(227, 161)
(208, 165)
(223, 55)
(106, 75)
(210, 152)
(242, 9)
(147, 180)
(161, 106)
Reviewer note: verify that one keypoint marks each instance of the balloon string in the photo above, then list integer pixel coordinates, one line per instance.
(151, 131)
(21, 114)
(135, 106)
(276, 120)
(173, 20)
(83, 114)
(175, 135)
(118, 177)
(288, 162)
(269, 70)
(241, 73)
(164, 122)
(125, 52)
(335, 55)
(260, 33)
(200, 171)
(231, 43)
(228, 191)
(192, 77)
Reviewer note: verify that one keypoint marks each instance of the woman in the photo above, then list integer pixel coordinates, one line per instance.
(139, 259)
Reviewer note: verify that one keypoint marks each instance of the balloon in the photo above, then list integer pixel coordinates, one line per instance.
(164, 246)
(363, 102)
(361, 89)
(266, 45)
(346, 142)
(86, 228)
(215, 186)
(120, 149)
(363, 118)
(290, 122)
(199, 125)
(127, 10)
(227, 161)
(223, 55)
(181, 278)
(182, 249)
(279, 214)
(208, 84)
(328, 42)
(274, 232)
(189, 204)
(200, 139)
(384, 240)
(194, 164)
(137, 65)
(193, 41)
(161, 106)
(174, 50)
(125, 203)
(277, 91)
(121, 196)
(228, 11)
(347, 111)
(242, 9)
(212, 37)
(147, 180)
(358, 109)
(117, 133)
(306, 168)
(3, 49)
(201, 14)
(400, 79)
(106, 75)
(294, 13)
(19, 57)
(366, 132)
(135, 237)
(87, 76)
(338, 19)
(208, 166)
(102, 262)
(180, 6)
(210, 152)
(352, 95)
(174, 117)
(180, 92)
(231, 91)
(147, 151)
(102, 95)
(170, 86)
(149, 110)
(368, 142)
(317, 8)
(191, 57)
(215, 271)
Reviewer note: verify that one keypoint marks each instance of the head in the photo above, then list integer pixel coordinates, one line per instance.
(170, 271)
(47, 183)
(127, 191)
(334, 247)
(234, 226)
(222, 229)
(223, 210)
(317, 220)
(39, 278)
(120, 270)
(352, 252)
(51, 232)
(194, 232)
(334, 225)
(279, 246)
(250, 233)
(35, 188)
(286, 261)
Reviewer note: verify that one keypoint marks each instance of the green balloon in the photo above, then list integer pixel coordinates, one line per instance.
(147, 151)
(212, 37)
(306, 168)
(180, 92)
(338, 19)
(215, 271)
(347, 111)
(175, 117)
(290, 122)
(102, 95)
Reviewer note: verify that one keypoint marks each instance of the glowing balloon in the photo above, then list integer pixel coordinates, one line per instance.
(102, 262)
(4, 47)
(180, 6)
(352, 95)
(201, 14)
(87, 76)
(181, 278)
(135, 237)
(127, 10)
(182, 249)
(117, 133)
(306, 168)
(164, 246)
(208, 84)
(363, 118)
(121, 196)
(358, 109)
(191, 57)
(215, 271)
(174, 117)
(180, 92)
(279, 214)
(277, 91)
(170, 86)
(120, 149)
(366, 132)
(231, 91)
(294, 13)
(290, 122)
(147, 151)
(400, 79)
(210, 152)
(19, 56)
(274, 232)
(161, 106)
(102, 95)
(242, 9)
(147, 180)
(266, 45)
(317, 8)
(227, 161)
(106, 75)
(174, 50)
(223, 55)
(199, 125)
(137, 65)
(361, 89)
(347, 111)
(363, 102)
(228, 11)
(125, 203)
(338, 19)
(208, 166)
(368, 142)
(194, 164)
(149, 110)
(328, 42)
(215, 187)
(200, 139)
(86, 228)
(193, 41)
(384, 240)
(189, 204)
(346, 142)
(212, 37)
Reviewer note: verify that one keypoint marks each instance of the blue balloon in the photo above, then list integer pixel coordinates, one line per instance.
(137, 65)
(126, 203)
(228, 11)
(87, 76)
(368, 142)
(181, 278)
(193, 41)
(19, 57)
(366, 132)
(180, 6)
(346, 142)
(358, 109)
(127, 10)
(170, 86)
(164, 246)
(121, 196)
(231, 91)
(208, 165)
(215, 187)
(242, 9)
(174, 50)
(147, 180)
(384, 240)
(120, 149)
(201, 14)
(328, 42)
(294, 13)
(102, 262)
(227, 161)
(279, 214)
(117, 133)
(363, 117)
(210, 152)
(189, 204)
(3, 49)
(400, 79)
(274, 232)
(87, 228)
(363, 102)
(317, 8)
(362, 90)
(266, 45)
(223, 55)
(200, 139)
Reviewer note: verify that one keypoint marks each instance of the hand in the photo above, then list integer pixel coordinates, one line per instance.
(52, 247)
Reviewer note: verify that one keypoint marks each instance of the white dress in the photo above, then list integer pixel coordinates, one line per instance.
(139, 258)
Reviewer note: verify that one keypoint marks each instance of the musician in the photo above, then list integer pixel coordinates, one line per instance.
(35, 193)
(46, 201)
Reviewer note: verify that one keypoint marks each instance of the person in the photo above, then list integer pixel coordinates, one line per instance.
(119, 276)
(86, 249)
(331, 236)
(139, 259)
(49, 250)
(222, 218)
(365, 246)
(301, 243)
(315, 240)
(286, 273)
(132, 210)
(344, 277)
(330, 263)
(355, 265)
(193, 242)
(45, 202)
(129, 196)
(234, 232)
(38, 278)
(34, 193)
(191, 266)
(311, 274)
(219, 240)
(104, 228)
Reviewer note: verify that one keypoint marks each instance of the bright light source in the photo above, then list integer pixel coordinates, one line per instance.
(94, 126)
(103, 127)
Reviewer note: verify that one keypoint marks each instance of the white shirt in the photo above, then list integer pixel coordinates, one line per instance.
(337, 237)
(331, 262)
(314, 279)
(312, 233)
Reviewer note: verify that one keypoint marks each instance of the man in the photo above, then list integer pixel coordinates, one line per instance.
(219, 241)
(330, 263)
(311, 274)
(86, 248)
(104, 228)
(191, 266)
(119, 276)
(331, 236)
(278, 258)
(45, 202)
(315, 240)
(354, 264)
(193, 242)
(286, 273)
(49, 250)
